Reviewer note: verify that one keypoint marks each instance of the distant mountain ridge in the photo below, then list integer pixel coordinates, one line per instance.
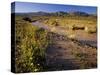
(59, 13)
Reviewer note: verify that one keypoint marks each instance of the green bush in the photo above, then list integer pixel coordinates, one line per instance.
(31, 43)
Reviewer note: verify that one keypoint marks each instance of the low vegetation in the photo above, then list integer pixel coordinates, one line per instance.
(31, 43)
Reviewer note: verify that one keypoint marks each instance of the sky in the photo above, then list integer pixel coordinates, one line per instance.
(25, 7)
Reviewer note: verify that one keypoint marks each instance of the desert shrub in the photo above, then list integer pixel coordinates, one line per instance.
(31, 43)
(55, 23)
(78, 27)
(91, 30)
(27, 19)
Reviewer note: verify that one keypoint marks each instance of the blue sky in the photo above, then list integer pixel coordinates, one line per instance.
(24, 7)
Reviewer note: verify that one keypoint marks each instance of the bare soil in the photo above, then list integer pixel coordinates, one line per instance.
(68, 54)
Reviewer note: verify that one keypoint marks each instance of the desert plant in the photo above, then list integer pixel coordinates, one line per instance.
(31, 43)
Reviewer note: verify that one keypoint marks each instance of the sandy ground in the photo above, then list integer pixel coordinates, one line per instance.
(62, 54)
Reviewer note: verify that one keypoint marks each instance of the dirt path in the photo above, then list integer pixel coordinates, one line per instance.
(49, 28)
(60, 55)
